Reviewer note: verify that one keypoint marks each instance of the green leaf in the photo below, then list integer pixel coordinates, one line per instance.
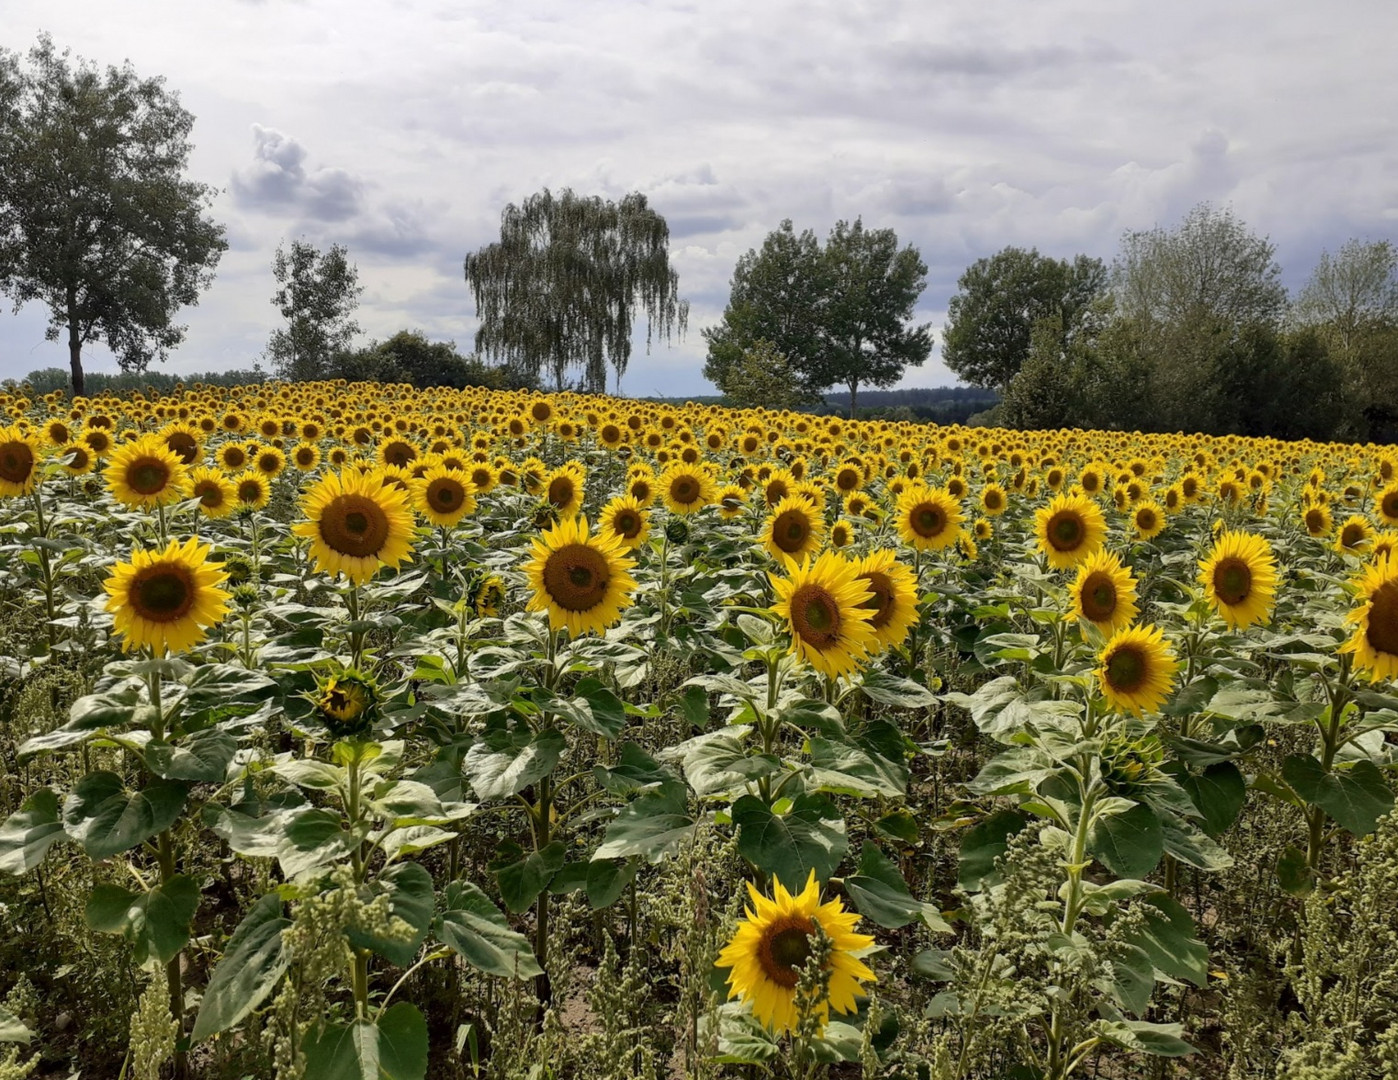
(391, 1047)
(506, 762)
(1162, 1040)
(982, 844)
(887, 689)
(409, 888)
(1189, 844)
(218, 692)
(934, 965)
(311, 838)
(107, 819)
(481, 935)
(402, 1042)
(155, 922)
(1132, 978)
(719, 762)
(1355, 796)
(12, 1029)
(522, 880)
(203, 758)
(742, 1040)
(649, 827)
(601, 712)
(251, 966)
(1128, 844)
(850, 770)
(1168, 938)
(811, 836)
(879, 892)
(1218, 794)
(1294, 876)
(26, 836)
(607, 879)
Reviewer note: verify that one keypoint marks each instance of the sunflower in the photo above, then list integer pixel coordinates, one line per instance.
(793, 529)
(252, 489)
(626, 519)
(483, 478)
(686, 488)
(1355, 535)
(19, 461)
(443, 496)
(269, 461)
(146, 473)
(184, 441)
(731, 499)
(1148, 518)
(77, 459)
(893, 597)
(233, 456)
(822, 603)
(1386, 504)
(1240, 578)
(1374, 643)
(1137, 669)
(841, 534)
(582, 581)
(166, 600)
(1104, 592)
(215, 492)
(1069, 529)
(928, 519)
(565, 489)
(305, 456)
(355, 522)
(993, 500)
(772, 944)
(346, 704)
(1317, 519)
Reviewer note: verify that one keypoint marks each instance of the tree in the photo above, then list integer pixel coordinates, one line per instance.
(97, 221)
(409, 357)
(871, 290)
(317, 296)
(777, 296)
(562, 285)
(1000, 299)
(762, 378)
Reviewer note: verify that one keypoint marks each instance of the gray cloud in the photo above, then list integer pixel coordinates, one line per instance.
(277, 180)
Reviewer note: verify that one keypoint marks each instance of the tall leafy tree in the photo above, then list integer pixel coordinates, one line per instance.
(561, 287)
(871, 290)
(316, 295)
(778, 296)
(991, 319)
(97, 219)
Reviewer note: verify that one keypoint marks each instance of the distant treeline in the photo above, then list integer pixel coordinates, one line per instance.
(46, 380)
(938, 404)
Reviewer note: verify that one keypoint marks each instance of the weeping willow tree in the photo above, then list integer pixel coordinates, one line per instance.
(561, 287)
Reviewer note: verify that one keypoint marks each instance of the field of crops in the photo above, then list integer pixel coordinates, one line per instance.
(359, 731)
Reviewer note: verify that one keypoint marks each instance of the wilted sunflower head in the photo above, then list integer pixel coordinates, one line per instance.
(346, 703)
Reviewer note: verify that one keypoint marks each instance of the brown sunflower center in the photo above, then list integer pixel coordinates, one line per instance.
(541, 411)
(1389, 505)
(993, 500)
(80, 457)
(98, 441)
(183, 446)
(880, 600)
(815, 616)
(354, 525)
(268, 463)
(162, 592)
(561, 491)
(927, 520)
(1232, 580)
(847, 480)
(1145, 519)
(1066, 530)
(399, 453)
(1352, 535)
(784, 949)
(576, 577)
(611, 434)
(790, 531)
(16, 462)
(1098, 596)
(209, 493)
(147, 476)
(305, 456)
(250, 491)
(627, 523)
(1382, 632)
(234, 458)
(1315, 520)
(445, 494)
(1126, 670)
(684, 490)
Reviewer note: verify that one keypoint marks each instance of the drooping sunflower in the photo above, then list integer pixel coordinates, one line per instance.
(626, 519)
(1240, 578)
(346, 704)
(1374, 643)
(1136, 669)
(893, 596)
(355, 522)
(773, 943)
(822, 603)
(582, 581)
(19, 461)
(443, 496)
(166, 600)
(252, 489)
(146, 473)
(215, 492)
(686, 489)
(928, 519)
(793, 529)
(1104, 592)
(1069, 529)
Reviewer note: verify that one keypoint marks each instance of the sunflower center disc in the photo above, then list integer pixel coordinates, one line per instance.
(880, 601)
(354, 525)
(561, 492)
(147, 477)
(815, 616)
(790, 531)
(1351, 535)
(162, 593)
(16, 463)
(446, 495)
(784, 950)
(928, 521)
(1383, 619)
(210, 494)
(249, 491)
(1315, 521)
(1390, 505)
(628, 524)
(183, 447)
(683, 491)
(1145, 520)
(1065, 531)
(1099, 598)
(1232, 581)
(1126, 670)
(576, 577)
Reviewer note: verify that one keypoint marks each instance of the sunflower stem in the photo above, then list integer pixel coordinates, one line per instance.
(46, 571)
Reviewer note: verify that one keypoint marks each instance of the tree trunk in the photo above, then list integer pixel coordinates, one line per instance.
(853, 396)
(75, 342)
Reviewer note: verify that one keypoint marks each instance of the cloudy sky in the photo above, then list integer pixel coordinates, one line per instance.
(402, 128)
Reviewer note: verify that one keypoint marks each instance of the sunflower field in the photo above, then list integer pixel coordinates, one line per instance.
(357, 731)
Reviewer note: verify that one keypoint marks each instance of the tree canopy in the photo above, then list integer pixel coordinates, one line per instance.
(316, 295)
(561, 286)
(97, 220)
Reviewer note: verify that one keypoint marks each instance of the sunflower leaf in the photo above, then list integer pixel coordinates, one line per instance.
(811, 836)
